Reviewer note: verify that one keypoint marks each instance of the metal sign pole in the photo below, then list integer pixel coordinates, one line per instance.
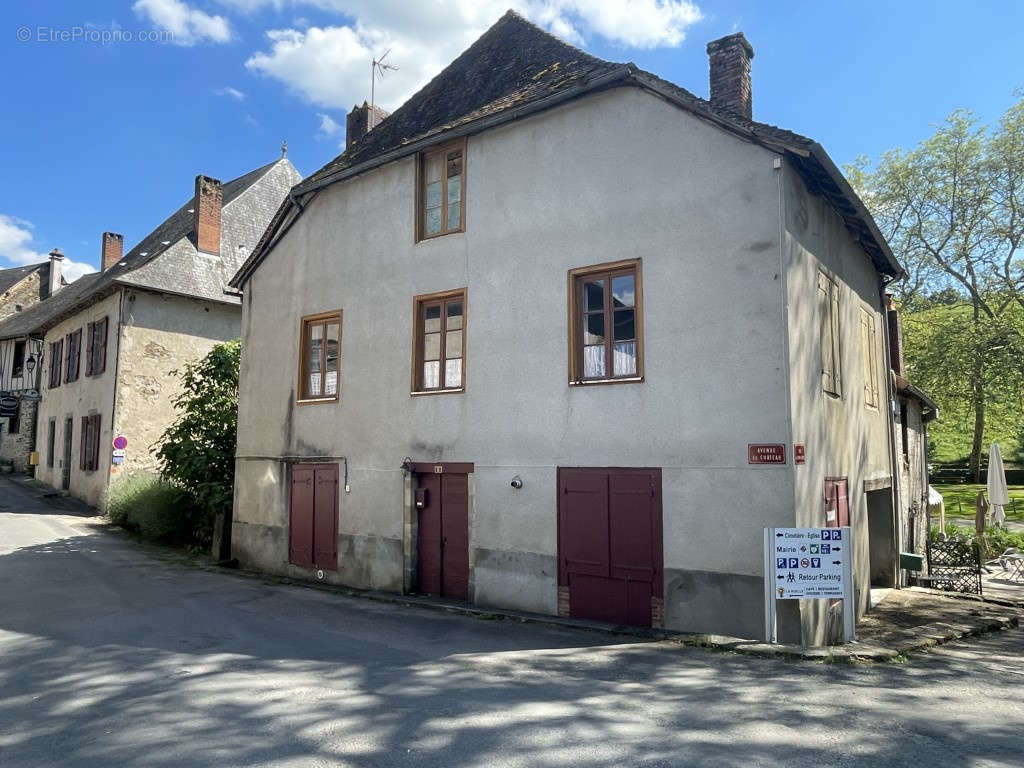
(770, 633)
(849, 608)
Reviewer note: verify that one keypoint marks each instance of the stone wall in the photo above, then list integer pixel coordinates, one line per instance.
(24, 294)
(17, 446)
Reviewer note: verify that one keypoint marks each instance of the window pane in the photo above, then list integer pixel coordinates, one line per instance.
(316, 335)
(431, 374)
(625, 359)
(454, 315)
(432, 346)
(454, 189)
(593, 296)
(432, 168)
(454, 214)
(594, 333)
(331, 369)
(593, 362)
(453, 345)
(432, 319)
(433, 222)
(454, 163)
(433, 197)
(625, 329)
(624, 291)
(453, 373)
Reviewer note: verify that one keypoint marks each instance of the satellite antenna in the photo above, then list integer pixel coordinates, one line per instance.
(377, 69)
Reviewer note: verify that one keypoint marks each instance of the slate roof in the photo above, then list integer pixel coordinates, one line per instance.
(516, 68)
(11, 277)
(167, 260)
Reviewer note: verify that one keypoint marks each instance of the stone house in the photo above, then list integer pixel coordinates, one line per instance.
(112, 340)
(21, 288)
(558, 335)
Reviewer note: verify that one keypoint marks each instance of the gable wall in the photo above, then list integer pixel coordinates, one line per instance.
(25, 292)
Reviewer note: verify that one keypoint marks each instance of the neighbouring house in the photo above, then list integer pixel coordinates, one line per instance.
(21, 288)
(913, 411)
(113, 340)
(558, 335)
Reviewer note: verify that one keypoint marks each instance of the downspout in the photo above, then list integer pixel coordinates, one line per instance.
(890, 421)
(117, 376)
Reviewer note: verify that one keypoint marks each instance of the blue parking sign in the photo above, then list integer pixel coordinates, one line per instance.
(826, 549)
(794, 562)
(780, 562)
(837, 535)
(826, 534)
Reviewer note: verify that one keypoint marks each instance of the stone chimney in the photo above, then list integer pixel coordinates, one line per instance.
(729, 58)
(360, 121)
(892, 317)
(112, 250)
(56, 271)
(206, 210)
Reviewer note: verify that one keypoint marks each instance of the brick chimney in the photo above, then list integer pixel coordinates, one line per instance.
(892, 317)
(112, 250)
(729, 58)
(56, 270)
(206, 214)
(360, 121)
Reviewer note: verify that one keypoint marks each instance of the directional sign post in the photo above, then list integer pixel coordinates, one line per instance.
(808, 563)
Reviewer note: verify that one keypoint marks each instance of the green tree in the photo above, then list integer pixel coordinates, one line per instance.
(197, 452)
(953, 211)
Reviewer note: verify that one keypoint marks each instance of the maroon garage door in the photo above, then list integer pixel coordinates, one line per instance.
(442, 537)
(313, 534)
(609, 543)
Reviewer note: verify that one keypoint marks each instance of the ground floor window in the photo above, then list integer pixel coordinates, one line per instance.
(837, 502)
(89, 450)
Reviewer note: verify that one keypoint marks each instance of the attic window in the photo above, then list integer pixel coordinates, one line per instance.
(441, 191)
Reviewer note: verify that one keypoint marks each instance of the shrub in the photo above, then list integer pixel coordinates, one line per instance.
(996, 539)
(153, 508)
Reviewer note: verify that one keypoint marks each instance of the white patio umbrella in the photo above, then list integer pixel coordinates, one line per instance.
(998, 494)
(938, 504)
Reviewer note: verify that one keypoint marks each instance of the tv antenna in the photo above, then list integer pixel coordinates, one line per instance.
(377, 69)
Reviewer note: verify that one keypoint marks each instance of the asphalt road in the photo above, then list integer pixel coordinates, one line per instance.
(112, 657)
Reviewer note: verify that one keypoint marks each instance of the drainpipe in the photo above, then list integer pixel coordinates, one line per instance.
(890, 421)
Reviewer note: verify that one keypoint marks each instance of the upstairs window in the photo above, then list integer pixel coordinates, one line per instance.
(606, 327)
(18, 364)
(439, 335)
(56, 360)
(320, 357)
(828, 315)
(441, 192)
(72, 361)
(96, 349)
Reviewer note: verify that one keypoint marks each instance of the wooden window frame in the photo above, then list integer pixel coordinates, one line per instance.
(418, 304)
(831, 380)
(56, 363)
(574, 292)
(421, 202)
(325, 319)
(89, 443)
(96, 347)
(18, 361)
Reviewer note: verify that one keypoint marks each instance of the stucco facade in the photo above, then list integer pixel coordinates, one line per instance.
(729, 359)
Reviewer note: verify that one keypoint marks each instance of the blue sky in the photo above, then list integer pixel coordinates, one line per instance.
(110, 135)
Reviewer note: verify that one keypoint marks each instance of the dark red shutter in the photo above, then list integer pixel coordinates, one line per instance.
(97, 421)
(83, 443)
(88, 348)
(325, 517)
(455, 536)
(300, 539)
(428, 536)
(103, 347)
(583, 523)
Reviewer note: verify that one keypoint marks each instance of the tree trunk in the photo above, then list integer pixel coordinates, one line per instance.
(978, 400)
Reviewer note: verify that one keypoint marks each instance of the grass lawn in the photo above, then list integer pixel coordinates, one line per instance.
(966, 494)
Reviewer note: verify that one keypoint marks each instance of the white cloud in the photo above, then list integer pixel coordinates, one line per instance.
(234, 93)
(329, 127)
(16, 248)
(188, 25)
(329, 65)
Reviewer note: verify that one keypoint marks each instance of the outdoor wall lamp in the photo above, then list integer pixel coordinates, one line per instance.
(407, 465)
(517, 482)
(30, 364)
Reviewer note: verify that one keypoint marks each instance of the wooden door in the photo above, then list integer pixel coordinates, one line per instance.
(65, 467)
(442, 538)
(837, 502)
(610, 542)
(313, 516)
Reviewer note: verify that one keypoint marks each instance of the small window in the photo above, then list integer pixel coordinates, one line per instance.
(606, 324)
(441, 191)
(837, 502)
(96, 348)
(14, 423)
(56, 361)
(828, 314)
(439, 342)
(869, 357)
(51, 438)
(320, 357)
(18, 364)
(73, 355)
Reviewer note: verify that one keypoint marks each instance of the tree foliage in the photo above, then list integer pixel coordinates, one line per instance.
(953, 211)
(197, 452)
